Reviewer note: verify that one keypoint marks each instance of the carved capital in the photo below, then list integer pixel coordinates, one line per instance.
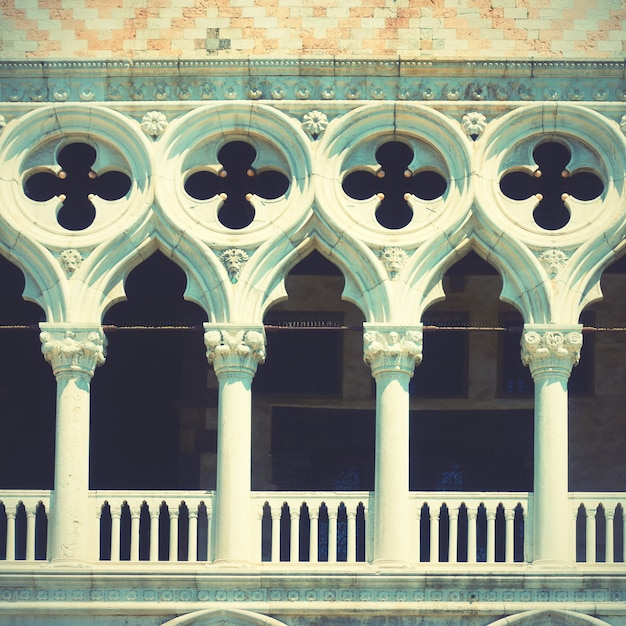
(550, 351)
(72, 348)
(233, 348)
(392, 348)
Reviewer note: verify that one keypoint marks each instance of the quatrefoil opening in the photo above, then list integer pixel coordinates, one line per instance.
(552, 184)
(236, 183)
(76, 184)
(393, 183)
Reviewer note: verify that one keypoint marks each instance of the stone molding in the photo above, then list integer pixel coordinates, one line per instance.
(234, 349)
(392, 348)
(310, 79)
(549, 350)
(72, 349)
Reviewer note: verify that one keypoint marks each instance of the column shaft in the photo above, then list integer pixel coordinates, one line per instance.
(392, 353)
(74, 351)
(551, 353)
(234, 352)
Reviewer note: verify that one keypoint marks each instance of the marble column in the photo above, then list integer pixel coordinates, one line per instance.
(73, 351)
(234, 351)
(550, 353)
(392, 352)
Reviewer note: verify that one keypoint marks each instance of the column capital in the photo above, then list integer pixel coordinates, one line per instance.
(390, 348)
(234, 347)
(72, 348)
(551, 350)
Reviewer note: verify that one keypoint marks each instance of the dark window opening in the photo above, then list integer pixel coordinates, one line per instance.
(150, 379)
(27, 391)
(301, 359)
(443, 372)
(492, 449)
(323, 449)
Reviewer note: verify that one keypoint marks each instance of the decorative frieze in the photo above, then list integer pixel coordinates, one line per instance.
(72, 349)
(392, 349)
(129, 80)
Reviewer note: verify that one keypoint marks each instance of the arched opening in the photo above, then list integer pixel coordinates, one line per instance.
(27, 390)
(471, 427)
(313, 424)
(149, 396)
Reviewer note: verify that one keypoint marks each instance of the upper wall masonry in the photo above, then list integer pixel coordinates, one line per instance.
(471, 29)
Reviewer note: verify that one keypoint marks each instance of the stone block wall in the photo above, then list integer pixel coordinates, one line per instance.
(147, 29)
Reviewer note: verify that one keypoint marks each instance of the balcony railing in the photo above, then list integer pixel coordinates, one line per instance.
(309, 527)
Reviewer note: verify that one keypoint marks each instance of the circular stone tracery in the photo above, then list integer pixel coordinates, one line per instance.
(75, 185)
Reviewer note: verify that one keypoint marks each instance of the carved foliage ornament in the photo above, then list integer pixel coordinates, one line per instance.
(234, 350)
(474, 124)
(394, 259)
(78, 351)
(70, 260)
(554, 261)
(551, 351)
(234, 259)
(393, 350)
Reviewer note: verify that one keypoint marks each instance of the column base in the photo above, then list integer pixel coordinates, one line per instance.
(391, 564)
(553, 564)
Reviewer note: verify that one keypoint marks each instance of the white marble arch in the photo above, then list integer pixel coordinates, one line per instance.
(224, 617)
(549, 617)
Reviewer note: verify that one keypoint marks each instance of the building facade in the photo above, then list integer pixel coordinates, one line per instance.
(314, 314)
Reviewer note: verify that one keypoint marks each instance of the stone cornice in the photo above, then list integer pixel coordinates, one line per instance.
(311, 79)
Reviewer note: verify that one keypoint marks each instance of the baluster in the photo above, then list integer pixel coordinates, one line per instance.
(192, 544)
(590, 548)
(471, 535)
(11, 514)
(417, 544)
(154, 532)
(116, 517)
(509, 537)
(332, 534)
(314, 515)
(351, 537)
(294, 534)
(453, 537)
(491, 536)
(434, 535)
(610, 529)
(31, 518)
(368, 534)
(209, 531)
(135, 519)
(174, 513)
(276, 515)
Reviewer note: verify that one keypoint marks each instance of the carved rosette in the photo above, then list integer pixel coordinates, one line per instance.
(232, 349)
(72, 350)
(474, 124)
(392, 349)
(550, 352)
(154, 123)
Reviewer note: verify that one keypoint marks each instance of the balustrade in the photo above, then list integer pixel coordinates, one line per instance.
(471, 529)
(24, 525)
(600, 527)
(154, 526)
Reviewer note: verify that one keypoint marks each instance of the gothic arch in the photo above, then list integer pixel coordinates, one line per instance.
(224, 617)
(549, 617)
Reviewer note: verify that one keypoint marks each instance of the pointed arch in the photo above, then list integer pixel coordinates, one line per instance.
(237, 617)
(549, 617)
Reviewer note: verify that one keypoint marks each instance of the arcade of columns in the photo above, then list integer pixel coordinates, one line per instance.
(392, 273)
